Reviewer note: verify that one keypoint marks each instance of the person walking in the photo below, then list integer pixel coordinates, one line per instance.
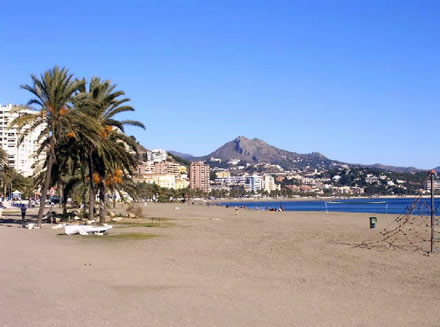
(23, 213)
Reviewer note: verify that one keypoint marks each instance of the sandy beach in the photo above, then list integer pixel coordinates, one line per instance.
(213, 266)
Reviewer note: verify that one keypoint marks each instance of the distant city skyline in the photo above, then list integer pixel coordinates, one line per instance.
(358, 82)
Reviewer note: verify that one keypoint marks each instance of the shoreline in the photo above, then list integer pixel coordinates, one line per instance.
(323, 199)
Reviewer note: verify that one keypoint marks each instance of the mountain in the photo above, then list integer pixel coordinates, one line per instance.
(185, 156)
(257, 151)
(393, 168)
(437, 169)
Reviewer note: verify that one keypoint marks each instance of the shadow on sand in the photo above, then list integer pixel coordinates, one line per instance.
(16, 221)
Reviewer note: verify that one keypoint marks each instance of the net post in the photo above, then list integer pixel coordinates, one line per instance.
(432, 210)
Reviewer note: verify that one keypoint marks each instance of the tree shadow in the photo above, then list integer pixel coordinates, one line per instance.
(14, 220)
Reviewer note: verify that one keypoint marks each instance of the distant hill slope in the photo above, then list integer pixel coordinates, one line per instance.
(258, 151)
(184, 155)
(392, 168)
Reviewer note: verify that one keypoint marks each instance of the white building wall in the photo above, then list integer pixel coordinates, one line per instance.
(254, 183)
(158, 155)
(23, 157)
(269, 184)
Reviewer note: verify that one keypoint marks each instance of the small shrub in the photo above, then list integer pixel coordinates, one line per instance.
(136, 210)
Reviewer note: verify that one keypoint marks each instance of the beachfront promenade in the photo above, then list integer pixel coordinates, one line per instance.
(211, 266)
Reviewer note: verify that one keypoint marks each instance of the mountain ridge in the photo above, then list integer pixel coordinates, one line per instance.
(259, 151)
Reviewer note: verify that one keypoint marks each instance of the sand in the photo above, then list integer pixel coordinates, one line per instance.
(217, 268)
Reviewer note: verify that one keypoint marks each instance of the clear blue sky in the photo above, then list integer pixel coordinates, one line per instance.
(358, 81)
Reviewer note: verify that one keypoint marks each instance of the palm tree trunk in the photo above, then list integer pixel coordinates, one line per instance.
(91, 188)
(46, 184)
(61, 193)
(65, 197)
(65, 206)
(103, 210)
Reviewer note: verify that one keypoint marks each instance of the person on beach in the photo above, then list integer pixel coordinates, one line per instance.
(23, 213)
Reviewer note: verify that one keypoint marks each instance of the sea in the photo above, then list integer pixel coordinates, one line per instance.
(368, 205)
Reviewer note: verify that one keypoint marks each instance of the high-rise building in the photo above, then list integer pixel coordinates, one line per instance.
(199, 176)
(254, 183)
(269, 184)
(21, 157)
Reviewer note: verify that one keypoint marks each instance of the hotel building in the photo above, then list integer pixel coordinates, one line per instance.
(199, 176)
(22, 158)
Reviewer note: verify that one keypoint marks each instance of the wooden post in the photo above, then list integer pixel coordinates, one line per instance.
(432, 212)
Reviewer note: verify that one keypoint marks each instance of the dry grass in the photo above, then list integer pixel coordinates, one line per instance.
(126, 236)
(163, 224)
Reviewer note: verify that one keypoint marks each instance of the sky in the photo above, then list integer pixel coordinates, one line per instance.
(358, 81)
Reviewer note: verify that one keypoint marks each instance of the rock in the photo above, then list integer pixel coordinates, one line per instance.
(111, 214)
(57, 220)
(76, 218)
(131, 215)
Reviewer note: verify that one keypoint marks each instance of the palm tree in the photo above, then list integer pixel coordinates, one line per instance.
(115, 165)
(4, 169)
(53, 93)
(103, 103)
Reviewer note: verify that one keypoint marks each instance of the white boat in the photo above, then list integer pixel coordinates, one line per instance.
(85, 229)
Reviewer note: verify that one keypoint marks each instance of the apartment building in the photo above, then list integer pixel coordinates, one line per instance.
(199, 176)
(22, 158)
(254, 183)
(164, 167)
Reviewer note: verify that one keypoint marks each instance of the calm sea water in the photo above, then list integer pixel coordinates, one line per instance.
(373, 205)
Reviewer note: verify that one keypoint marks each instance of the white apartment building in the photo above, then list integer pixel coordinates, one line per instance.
(254, 183)
(269, 184)
(158, 155)
(22, 158)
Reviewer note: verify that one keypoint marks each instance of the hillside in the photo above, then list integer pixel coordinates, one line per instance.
(257, 151)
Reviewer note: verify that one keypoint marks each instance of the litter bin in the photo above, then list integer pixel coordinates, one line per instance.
(373, 222)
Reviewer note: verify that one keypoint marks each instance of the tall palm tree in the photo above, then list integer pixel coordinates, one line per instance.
(53, 93)
(103, 102)
(3, 169)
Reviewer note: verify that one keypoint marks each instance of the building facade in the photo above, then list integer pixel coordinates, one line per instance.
(254, 183)
(269, 184)
(162, 180)
(199, 176)
(23, 157)
(163, 167)
(158, 155)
